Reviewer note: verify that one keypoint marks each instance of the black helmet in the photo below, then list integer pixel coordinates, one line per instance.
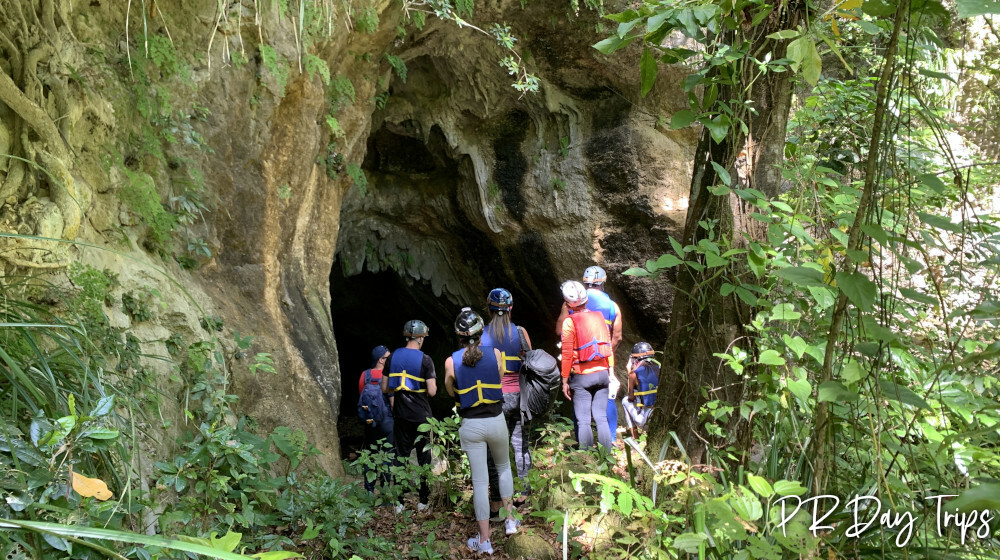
(500, 300)
(594, 276)
(642, 351)
(415, 329)
(468, 323)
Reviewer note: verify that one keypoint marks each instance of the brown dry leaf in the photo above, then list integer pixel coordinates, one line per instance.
(91, 487)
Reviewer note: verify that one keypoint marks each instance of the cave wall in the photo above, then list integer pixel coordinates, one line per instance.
(471, 188)
(467, 187)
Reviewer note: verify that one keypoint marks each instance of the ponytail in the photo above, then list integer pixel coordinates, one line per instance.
(473, 353)
(499, 326)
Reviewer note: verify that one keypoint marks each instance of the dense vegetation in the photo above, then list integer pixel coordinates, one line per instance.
(835, 332)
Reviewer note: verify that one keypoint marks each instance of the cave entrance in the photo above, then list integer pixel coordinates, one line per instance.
(416, 245)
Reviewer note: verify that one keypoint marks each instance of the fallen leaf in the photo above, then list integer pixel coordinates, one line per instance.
(91, 487)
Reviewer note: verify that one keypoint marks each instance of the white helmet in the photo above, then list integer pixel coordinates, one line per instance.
(574, 293)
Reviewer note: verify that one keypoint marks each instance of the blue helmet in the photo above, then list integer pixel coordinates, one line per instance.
(500, 300)
(594, 275)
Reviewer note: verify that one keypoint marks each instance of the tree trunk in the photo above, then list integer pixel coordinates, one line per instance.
(703, 322)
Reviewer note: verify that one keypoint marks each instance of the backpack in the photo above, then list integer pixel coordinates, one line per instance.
(539, 377)
(371, 404)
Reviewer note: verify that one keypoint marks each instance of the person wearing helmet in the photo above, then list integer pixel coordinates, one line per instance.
(473, 374)
(643, 379)
(383, 432)
(411, 381)
(512, 341)
(586, 349)
(597, 300)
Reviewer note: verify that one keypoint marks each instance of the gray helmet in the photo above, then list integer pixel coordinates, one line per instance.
(594, 276)
(468, 323)
(642, 351)
(415, 329)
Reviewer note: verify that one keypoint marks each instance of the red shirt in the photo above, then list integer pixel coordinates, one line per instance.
(376, 377)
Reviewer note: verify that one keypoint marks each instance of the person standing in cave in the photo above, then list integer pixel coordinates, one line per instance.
(586, 348)
(411, 382)
(473, 374)
(512, 341)
(377, 434)
(597, 300)
(643, 380)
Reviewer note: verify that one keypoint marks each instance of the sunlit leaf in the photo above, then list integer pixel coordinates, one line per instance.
(91, 487)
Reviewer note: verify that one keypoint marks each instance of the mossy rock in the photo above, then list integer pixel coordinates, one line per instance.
(531, 547)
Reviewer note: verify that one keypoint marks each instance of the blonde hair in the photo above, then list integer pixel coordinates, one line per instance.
(499, 325)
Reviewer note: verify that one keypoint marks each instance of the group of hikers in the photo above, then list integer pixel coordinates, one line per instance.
(485, 374)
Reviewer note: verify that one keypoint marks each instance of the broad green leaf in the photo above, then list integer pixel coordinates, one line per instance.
(771, 357)
(938, 75)
(656, 20)
(712, 260)
(627, 15)
(853, 372)
(726, 289)
(933, 182)
(718, 127)
(801, 275)
(83, 532)
(634, 271)
(939, 222)
(876, 232)
(835, 391)
(796, 344)
(610, 45)
(278, 555)
(723, 174)
(784, 34)
(689, 542)
(747, 505)
(879, 8)
(900, 393)
(800, 387)
(626, 26)
(103, 406)
(760, 486)
(682, 118)
(858, 288)
(666, 260)
(805, 59)
(784, 312)
(984, 496)
(972, 8)
(625, 504)
(789, 488)
(647, 71)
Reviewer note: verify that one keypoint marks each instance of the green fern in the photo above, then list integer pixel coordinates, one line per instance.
(398, 65)
(419, 19)
(343, 90)
(335, 128)
(277, 65)
(314, 65)
(464, 7)
(367, 20)
(355, 172)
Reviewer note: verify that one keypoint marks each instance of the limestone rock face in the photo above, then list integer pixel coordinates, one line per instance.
(469, 185)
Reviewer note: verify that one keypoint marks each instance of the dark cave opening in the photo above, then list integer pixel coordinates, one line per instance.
(370, 305)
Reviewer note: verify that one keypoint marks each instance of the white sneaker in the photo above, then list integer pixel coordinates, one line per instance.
(480, 547)
(399, 509)
(423, 507)
(511, 525)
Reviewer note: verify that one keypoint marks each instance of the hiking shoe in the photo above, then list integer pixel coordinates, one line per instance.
(510, 527)
(399, 509)
(480, 547)
(423, 507)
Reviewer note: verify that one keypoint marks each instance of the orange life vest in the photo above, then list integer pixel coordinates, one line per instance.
(593, 341)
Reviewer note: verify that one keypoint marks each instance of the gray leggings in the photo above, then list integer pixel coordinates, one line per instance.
(476, 434)
(590, 400)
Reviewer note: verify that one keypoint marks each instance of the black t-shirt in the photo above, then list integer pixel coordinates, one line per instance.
(408, 405)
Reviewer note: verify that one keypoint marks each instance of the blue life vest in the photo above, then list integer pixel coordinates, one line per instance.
(599, 301)
(404, 371)
(649, 379)
(510, 348)
(479, 384)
